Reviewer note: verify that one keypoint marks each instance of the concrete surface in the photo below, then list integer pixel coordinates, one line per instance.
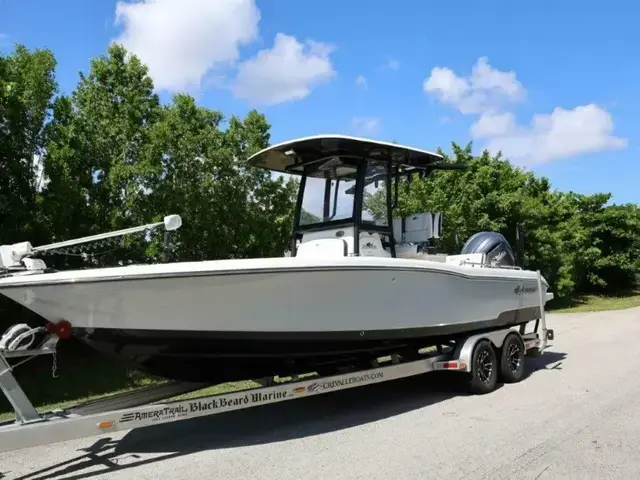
(576, 416)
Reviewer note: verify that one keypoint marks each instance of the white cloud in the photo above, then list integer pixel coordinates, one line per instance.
(287, 71)
(492, 124)
(392, 64)
(366, 125)
(560, 134)
(485, 89)
(181, 40)
(361, 82)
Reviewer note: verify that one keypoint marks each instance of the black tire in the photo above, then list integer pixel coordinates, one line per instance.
(512, 359)
(484, 368)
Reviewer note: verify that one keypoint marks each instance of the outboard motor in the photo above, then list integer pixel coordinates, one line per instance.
(495, 247)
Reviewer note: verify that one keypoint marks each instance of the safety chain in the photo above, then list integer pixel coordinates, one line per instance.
(54, 364)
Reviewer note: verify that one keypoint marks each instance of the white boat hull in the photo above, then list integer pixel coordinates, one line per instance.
(280, 307)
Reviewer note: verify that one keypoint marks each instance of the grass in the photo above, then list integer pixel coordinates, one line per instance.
(595, 303)
(92, 378)
(96, 387)
(84, 375)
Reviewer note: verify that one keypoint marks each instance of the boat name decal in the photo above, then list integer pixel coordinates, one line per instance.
(522, 290)
(204, 406)
(243, 399)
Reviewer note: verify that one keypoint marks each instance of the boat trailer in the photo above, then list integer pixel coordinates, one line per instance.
(486, 358)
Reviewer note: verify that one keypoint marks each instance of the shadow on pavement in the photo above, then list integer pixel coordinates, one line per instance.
(547, 361)
(270, 423)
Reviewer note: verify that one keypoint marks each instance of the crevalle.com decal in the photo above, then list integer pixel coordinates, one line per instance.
(341, 382)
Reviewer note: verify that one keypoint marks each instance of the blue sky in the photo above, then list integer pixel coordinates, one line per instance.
(552, 84)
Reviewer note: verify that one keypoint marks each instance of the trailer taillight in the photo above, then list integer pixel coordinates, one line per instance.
(454, 365)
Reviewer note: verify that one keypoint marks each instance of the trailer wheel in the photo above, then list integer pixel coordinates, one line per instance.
(512, 359)
(484, 368)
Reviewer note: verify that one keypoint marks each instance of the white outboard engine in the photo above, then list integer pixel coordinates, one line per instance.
(494, 247)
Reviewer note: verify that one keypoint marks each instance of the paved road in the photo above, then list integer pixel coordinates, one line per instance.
(576, 416)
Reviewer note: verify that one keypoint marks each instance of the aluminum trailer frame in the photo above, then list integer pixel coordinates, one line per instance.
(135, 409)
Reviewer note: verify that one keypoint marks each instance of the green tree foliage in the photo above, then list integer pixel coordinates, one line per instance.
(601, 243)
(230, 210)
(27, 85)
(95, 163)
(117, 158)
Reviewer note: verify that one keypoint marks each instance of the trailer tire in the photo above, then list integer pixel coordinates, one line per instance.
(484, 368)
(512, 359)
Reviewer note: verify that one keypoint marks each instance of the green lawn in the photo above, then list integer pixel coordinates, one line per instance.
(84, 375)
(132, 379)
(595, 303)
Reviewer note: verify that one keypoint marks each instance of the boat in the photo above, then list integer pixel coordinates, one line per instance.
(356, 284)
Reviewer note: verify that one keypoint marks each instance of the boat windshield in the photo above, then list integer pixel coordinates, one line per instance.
(325, 200)
(374, 203)
(332, 198)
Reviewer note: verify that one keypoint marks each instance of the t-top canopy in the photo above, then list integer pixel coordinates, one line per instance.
(304, 155)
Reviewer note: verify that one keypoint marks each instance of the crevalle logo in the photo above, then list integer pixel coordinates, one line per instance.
(522, 290)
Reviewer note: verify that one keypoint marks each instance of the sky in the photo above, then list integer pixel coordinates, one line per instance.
(553, 85)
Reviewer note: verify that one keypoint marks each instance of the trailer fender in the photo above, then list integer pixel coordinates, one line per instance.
(465, 351)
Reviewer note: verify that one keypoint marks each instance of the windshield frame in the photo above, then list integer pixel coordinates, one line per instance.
(355, 220)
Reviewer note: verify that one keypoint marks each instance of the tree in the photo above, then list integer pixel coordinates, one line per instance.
(601, 243)
(230, 211)
(117, 158)
(27, 87)
(93, 160)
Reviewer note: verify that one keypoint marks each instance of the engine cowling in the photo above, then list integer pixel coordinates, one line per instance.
(495, 247)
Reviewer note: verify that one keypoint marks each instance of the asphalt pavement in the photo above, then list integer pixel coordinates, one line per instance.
(577, 415)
